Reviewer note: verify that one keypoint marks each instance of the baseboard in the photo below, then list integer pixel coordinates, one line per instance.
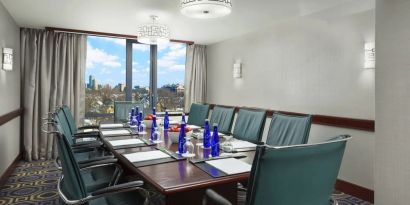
(355, 190)
(9, 170)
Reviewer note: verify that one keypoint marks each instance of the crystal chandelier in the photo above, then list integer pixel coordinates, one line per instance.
(206, 8)
(153, 33)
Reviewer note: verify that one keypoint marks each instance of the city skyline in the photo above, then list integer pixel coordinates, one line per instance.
(106, 62)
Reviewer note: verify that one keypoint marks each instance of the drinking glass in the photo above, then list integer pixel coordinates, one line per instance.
(189, 148)
(227, 145)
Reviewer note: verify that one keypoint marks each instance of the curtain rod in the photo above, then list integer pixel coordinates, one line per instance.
(96, 33)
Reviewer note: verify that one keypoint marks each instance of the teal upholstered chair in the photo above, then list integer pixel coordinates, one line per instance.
(83, 150)
(223, 116)
(249, 125)
(292, 175)
(123, 108)
(97, 177)
(197, 114)
(73, 189)
(285, 130)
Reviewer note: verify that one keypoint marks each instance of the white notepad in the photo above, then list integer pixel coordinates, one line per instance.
(230, 165)
(115, 132)
(125, 142)
(193, 127)
(105, 126)
(146, 156)
(239, 144)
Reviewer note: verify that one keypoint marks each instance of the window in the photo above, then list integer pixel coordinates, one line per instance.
(171, 76)
(106, 76)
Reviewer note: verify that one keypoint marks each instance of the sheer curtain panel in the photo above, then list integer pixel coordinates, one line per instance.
(53, 66)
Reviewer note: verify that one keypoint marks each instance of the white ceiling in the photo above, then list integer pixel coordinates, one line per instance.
(123, 16)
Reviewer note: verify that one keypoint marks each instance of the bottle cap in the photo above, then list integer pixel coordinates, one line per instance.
(215, 124)
(206, 120)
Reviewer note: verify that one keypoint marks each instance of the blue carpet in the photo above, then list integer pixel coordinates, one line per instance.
(36, 183)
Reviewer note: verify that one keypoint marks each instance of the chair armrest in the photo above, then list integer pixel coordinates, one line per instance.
(88, 164)
(118, 188)
(98, 159)
(88, 127)
(93, 144)
(126, 187)
(86, 134)
(215, 198)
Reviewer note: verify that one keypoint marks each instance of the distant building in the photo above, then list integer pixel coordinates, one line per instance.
(120, 87)
(180, 89)
(95, 85)
(91, 82)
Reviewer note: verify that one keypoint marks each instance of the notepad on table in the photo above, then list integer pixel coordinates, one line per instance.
(239, 144)
(194, 127)
(230, 165)
(115, 132)
(125, 142)
(117, 125)
(146, 156)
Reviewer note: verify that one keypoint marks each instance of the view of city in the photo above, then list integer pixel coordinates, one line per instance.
(105, 76)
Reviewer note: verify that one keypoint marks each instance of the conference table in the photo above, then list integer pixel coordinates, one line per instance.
(180, 181)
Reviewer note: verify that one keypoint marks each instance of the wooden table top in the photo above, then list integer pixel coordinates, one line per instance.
(175, 176)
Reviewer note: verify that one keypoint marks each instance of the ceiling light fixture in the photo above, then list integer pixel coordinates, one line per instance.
(153, 33)
(205, 9)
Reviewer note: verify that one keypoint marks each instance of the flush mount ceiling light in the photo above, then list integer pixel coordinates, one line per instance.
(204, 9)
(153, 33)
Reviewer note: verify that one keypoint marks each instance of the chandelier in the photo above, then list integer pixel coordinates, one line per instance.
(206, 8)
(153, 33)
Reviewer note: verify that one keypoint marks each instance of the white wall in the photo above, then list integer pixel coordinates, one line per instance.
(9, 91)
(307, 65)
(392, 157)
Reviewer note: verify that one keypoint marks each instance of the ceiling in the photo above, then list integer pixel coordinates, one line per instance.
(123, 16)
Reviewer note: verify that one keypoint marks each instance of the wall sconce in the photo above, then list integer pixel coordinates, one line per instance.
(7, 59)
(369, 55)
(237, 69)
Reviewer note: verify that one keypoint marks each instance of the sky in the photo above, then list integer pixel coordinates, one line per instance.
(106, 61)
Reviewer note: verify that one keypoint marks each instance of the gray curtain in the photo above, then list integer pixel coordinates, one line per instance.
(195, 75)
(53, 66)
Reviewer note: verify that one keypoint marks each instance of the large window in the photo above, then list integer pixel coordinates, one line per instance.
(155, 74)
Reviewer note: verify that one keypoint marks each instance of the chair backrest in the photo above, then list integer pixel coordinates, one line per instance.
(223, 116)
(285, 130)
(197, 114)
(249, 125)
(70, 118)
(72, 184)
(62, 126)
(294, 175)
(123, 108)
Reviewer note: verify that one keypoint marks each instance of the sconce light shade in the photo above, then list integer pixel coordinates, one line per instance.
(369, 55)
(237, 70)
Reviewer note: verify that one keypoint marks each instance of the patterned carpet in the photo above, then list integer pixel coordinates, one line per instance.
(36, 183)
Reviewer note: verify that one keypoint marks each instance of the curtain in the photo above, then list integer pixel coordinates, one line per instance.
(53, 66)
(195, 75)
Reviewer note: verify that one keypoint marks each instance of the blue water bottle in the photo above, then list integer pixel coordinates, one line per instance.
(207, 135)
(154, 125)
(215, 141)
(140, 119)
(181, 139)
(166, 121)
(153, 111)
(183, 118)
(132, 116)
